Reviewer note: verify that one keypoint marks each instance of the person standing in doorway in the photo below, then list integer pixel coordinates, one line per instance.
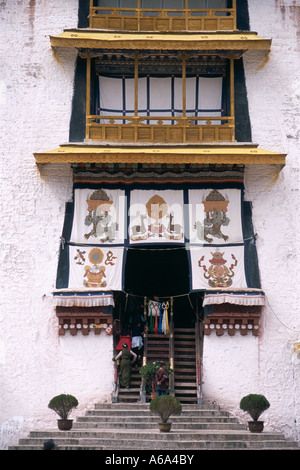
(161, 380)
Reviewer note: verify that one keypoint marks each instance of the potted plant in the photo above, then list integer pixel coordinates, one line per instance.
(148, 372)
(165, 406)
(63, 405)
(254, 405)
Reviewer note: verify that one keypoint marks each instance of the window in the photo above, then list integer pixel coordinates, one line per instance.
(160, 96)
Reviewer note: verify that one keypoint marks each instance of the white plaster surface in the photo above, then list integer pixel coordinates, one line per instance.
(234, 367)
(35, 104)
(36, 92)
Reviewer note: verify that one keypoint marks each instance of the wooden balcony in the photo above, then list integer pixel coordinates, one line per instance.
(138, 19)
(175, 130)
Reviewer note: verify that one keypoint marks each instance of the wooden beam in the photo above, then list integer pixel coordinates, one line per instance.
(183, 86)
(236, 41)
(214, 154)
(136, 85)
(232, 112)
(88, 95)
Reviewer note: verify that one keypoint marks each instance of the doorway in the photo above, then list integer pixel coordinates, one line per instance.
(162, 272)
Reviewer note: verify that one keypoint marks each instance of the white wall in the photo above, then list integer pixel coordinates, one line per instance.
(263, 364)
(36, 91)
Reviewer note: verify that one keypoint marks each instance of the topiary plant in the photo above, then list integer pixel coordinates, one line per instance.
(165, 406)
(63, 405)
(255, 405)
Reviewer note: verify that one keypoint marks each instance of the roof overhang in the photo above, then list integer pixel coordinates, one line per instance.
(238, 41)
(230, 154)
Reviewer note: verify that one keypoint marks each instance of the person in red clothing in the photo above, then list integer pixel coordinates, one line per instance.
(162, 380)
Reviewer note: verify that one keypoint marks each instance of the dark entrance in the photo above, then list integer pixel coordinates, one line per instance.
(162, 272)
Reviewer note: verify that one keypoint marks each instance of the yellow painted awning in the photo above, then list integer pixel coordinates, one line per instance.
(208, 41)
(224, 154)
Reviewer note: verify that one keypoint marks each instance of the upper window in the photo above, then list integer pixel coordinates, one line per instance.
(160, 96)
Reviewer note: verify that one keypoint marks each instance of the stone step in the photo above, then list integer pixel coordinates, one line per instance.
(96, 420)
(120, 426)
(152, 425)
(103, 440)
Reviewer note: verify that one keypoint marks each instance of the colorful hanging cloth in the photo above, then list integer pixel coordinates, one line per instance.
(160, 319)
(165, 321)
(150, 307)
(156, 308)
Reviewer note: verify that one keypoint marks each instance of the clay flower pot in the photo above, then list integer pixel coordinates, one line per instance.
(64, 424)
(164, 427)
(255, 426)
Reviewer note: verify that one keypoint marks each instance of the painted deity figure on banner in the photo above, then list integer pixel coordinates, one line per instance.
(157, 222)
(215, 208)
(99, 216)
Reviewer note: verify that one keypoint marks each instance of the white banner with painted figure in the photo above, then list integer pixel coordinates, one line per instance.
(215, 216)
(217, 267)
(156, 216)
(99, 216)
(107, 221)
(95, 267)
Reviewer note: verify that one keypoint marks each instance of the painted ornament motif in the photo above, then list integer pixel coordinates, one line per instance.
(95, 267)
(218, 274)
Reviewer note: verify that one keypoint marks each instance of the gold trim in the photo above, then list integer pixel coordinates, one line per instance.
(83, 39)
(239, 155)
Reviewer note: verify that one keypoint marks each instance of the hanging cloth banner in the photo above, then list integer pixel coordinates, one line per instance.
(98, 268)
(156, 216)
(214, 267)
(215, 216)
(99, 216)
(107, 221)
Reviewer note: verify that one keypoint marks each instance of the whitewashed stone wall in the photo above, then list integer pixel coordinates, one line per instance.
(36, 91)
(234, 367)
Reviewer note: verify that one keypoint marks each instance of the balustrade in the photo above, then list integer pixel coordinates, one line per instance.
(151, 19)
(170, 129)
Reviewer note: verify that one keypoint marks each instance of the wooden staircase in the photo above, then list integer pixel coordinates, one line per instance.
(185, 370)
(159, 348)
(131, 394)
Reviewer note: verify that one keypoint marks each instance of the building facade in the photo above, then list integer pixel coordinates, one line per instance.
(149, 149)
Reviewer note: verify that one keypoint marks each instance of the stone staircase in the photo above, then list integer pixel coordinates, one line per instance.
(131, 426)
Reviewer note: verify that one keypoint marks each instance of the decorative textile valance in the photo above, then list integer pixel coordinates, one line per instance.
(237, 298)
(83, 299)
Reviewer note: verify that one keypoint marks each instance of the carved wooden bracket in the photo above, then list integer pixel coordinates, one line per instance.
(233, 318)
(84, 319)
